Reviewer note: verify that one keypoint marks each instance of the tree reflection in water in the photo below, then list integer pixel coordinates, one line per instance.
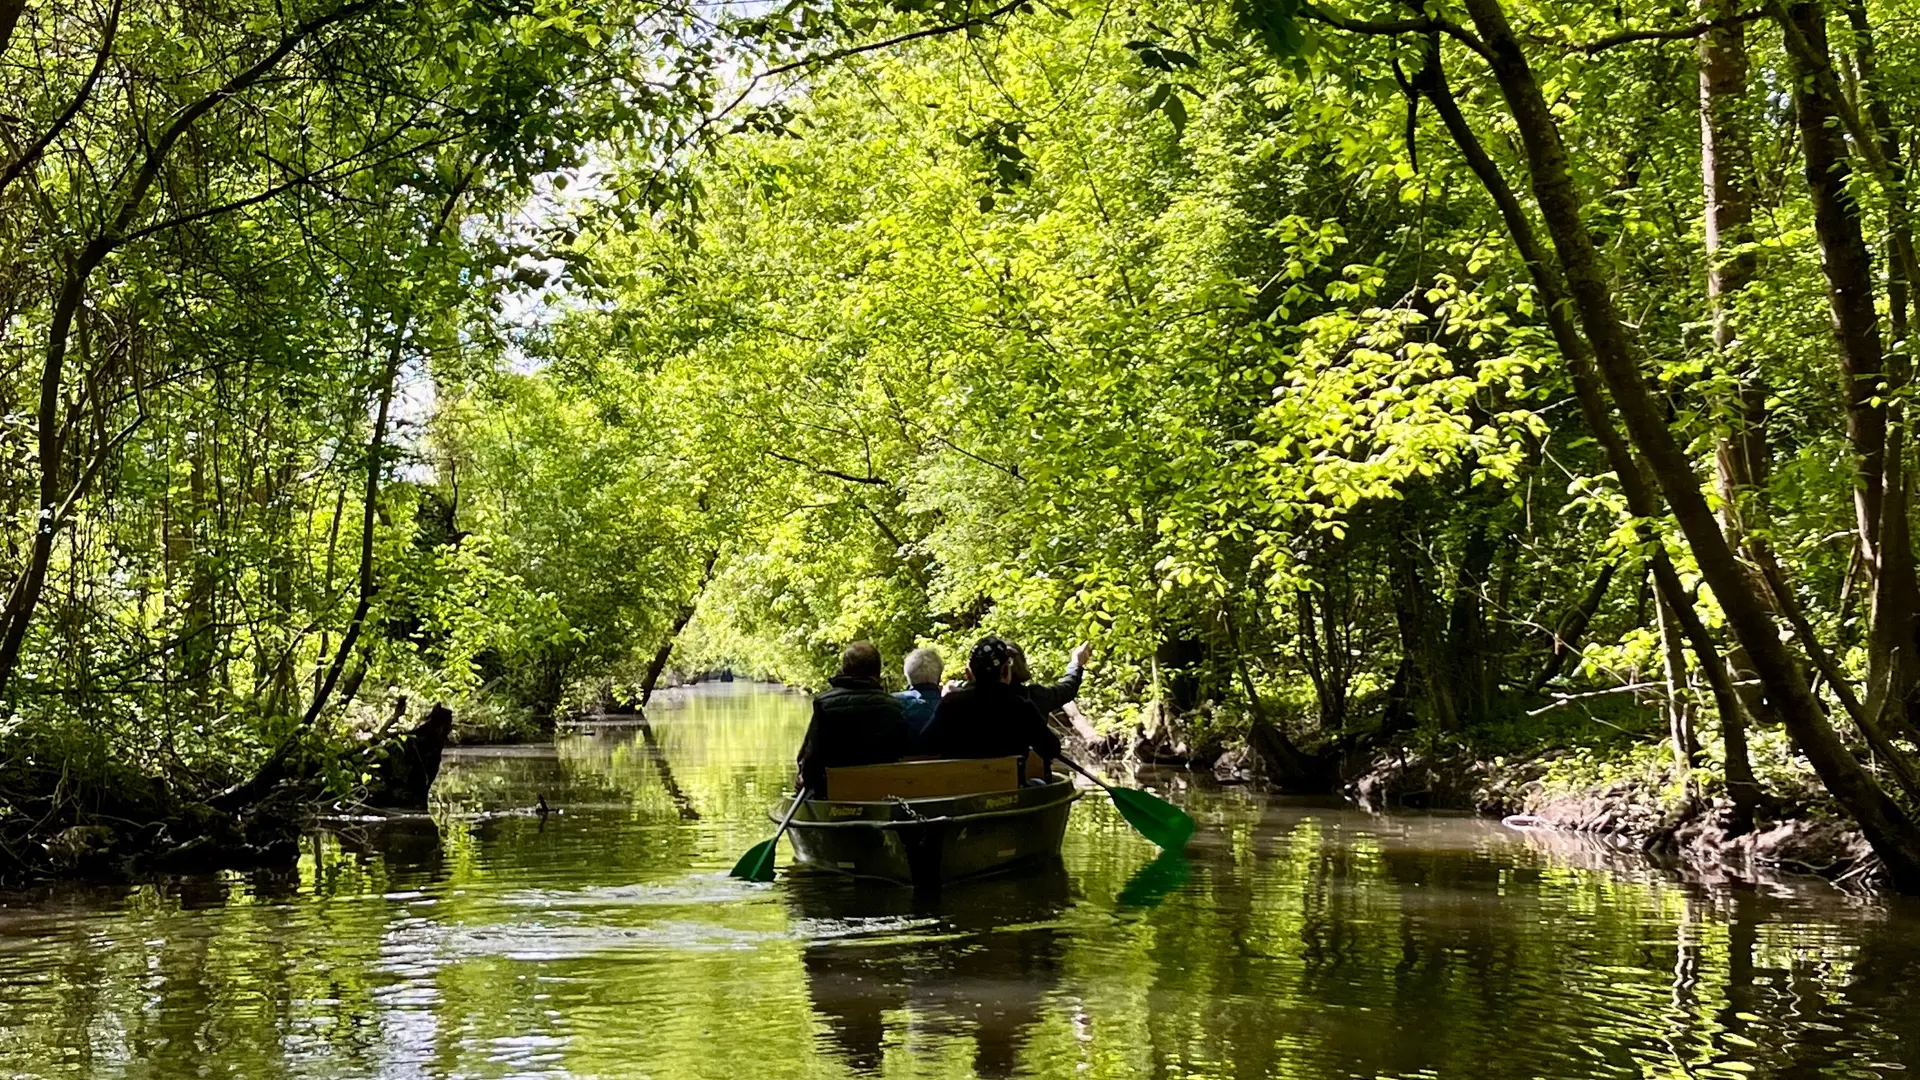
(981, 960)
(1303, 939)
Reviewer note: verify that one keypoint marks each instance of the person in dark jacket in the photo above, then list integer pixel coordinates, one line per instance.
(1052, 697)
(922, 694)
(990, 717)
(855, 723)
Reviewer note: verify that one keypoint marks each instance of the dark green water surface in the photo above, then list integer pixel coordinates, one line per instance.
(1298, 940)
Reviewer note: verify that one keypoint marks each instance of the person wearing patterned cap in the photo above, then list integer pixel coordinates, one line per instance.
(990, 717)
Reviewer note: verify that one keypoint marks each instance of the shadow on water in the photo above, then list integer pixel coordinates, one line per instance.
(681, 804)
(980, 960)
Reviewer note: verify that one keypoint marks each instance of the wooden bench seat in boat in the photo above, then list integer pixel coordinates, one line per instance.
(935, 779)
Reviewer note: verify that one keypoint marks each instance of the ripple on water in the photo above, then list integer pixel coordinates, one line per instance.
(1298, 940)
(693, 889)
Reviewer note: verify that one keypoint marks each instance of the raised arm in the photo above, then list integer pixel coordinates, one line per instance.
(1051, 698)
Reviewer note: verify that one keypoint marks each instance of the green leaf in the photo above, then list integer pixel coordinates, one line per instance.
(1274, 22)
(1176, 111)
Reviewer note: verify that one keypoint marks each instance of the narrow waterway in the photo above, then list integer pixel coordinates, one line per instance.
(1298, 940)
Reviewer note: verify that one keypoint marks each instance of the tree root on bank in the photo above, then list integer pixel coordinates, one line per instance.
(129, 830)
(1698, 834)
(67, 840)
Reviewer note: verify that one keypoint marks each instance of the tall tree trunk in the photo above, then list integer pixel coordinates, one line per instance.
(1421, 638)
(1888, 827)
(1314, 659)
(1468, 667)
(376, 455)
(1743, 458)
(1900, 254)
(1673, 655)
(680, 620)
(58, 492)
(1289, 767)
(24, 595)
(369, 515)
(1898, 604)
(1875, 431)
(1567, 635)
(550, 685)
(277, 656)
(197, 645)
(1849, 272)
(1641, 497)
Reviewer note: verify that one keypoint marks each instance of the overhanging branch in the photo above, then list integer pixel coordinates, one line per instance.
(1418, 24)
(39, 146)
(1673, 33)
(823, 471)
(832, 55)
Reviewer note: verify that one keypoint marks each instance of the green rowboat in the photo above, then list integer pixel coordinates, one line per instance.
(931, 841)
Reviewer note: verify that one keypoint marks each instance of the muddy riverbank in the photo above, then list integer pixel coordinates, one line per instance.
(1652, 815)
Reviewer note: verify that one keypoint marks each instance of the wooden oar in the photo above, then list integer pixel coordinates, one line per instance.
(757, 863)
(1151, 816)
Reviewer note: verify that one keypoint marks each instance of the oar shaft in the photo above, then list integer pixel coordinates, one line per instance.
(799, 797)
(1077, 767)
(1151, 816)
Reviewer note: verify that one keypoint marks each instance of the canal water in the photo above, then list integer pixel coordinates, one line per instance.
(1298, 940)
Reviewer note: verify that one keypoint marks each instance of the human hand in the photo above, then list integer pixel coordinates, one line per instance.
(1081, 653)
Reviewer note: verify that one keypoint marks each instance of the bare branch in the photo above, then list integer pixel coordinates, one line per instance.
(157, 156)
(274, 191)
(834, 473)
(1420, 24)
(1675, 33)
(830, 56)
(887, 43)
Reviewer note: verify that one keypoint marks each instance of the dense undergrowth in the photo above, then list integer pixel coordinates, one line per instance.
(1492, 381)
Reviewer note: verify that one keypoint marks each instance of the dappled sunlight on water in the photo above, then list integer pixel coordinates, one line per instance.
(1295, 940)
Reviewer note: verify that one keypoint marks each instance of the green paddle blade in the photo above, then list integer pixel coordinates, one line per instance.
(757, 863)
(1155, 818)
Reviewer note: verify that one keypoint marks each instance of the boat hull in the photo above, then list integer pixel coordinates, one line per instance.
(928, 842)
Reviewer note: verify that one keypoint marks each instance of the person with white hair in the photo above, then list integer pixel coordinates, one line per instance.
(922, 695)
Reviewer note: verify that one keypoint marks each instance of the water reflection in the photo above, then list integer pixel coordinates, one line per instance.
(1297, 939)
(409, 846)
(1155, 881)
(983, 957)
